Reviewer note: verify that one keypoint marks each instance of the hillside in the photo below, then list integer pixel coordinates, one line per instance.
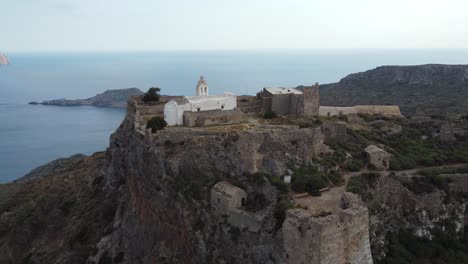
(426, 89)
(110, 98)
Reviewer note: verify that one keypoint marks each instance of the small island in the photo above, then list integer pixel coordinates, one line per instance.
(110, 98)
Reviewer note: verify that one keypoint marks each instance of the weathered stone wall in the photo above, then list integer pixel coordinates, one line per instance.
(334, 132)
(214, 117)
(311, 100)
(384, 110)
(281, 104)
(337, 110)
(333, 239)
(391, 111)
(249, 104)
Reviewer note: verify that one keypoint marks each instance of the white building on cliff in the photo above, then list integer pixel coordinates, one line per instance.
(218, 107)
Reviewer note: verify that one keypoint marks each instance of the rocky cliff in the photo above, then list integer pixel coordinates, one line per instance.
(165, 181)
(110, 98)
(426, 89)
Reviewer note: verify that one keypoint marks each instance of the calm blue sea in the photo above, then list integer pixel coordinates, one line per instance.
(33, 135)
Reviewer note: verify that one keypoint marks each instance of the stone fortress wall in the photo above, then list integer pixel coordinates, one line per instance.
(384, 110)
(212, 117)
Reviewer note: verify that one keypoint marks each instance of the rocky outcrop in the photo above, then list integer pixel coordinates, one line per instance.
(110, 98)
(432, 89)
(393, 208)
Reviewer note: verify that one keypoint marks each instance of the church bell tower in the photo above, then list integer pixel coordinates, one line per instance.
(202, 87)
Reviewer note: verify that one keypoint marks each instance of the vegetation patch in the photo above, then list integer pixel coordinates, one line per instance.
(152, 95)
(270, 115)
(444, 248)
(311, 180)
(156, 123)
(360, 183)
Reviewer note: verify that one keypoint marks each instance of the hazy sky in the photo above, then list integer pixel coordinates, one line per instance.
(96, 25)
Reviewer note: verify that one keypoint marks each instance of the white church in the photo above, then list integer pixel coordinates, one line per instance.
(175, 108)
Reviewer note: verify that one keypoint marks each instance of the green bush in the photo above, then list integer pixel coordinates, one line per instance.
(269, 115)
(282, 205)
(152, 95)
(156, 123)
(443, 248)
(354, 165)
(311, 180)
(358, 184)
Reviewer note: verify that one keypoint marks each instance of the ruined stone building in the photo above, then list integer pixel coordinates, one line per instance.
(226, 197)
(203, 109)
(336, 238)
(227, 200)
(284, 101)
(378, 157)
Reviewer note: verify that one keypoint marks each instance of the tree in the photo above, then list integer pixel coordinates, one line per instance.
(152, 95)
(156, 123)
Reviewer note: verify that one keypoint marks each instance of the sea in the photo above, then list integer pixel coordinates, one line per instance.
(32, 135)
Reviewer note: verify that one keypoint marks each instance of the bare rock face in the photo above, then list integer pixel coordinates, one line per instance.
(394, 207)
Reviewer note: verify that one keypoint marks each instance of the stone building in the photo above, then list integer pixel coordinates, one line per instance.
(378, 157)
(219, 108)
(227, 200)
(291, 101)
(226, 197)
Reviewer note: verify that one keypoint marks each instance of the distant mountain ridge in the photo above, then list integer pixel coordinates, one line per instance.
(427, 89)
(111, 98)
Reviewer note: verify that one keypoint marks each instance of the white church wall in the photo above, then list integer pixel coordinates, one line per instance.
(170, 113)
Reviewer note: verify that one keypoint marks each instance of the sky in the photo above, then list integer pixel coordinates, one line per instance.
(144, 25)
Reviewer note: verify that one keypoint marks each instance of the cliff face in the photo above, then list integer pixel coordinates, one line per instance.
(428, 89)
(400, 204)
(164, 214)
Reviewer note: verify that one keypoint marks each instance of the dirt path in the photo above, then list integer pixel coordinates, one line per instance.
(330, 200)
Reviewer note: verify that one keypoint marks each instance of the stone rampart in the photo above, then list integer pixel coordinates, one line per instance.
(392, 111)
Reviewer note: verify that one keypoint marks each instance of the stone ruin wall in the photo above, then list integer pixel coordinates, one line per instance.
(384, 110)
(213, 117)
(311, 101)
(341, 238)
(249, 104)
